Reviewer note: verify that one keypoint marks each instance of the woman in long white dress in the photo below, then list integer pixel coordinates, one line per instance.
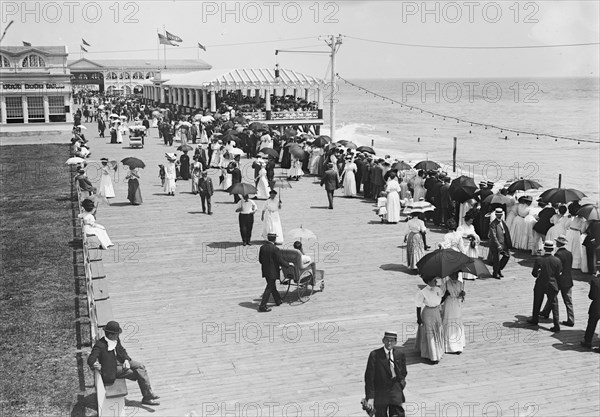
(560, 221)
(419, 190)
(350, 178)
(576, 226)
(270, 218)
(215, 159)
(227, 177)
(120, 132)
(464, 209)
(470, 242)
(106, 186)
(393, 207)
(196, 171)
(519, 233)
(91, 228)
(296, 169)
(170, 174)
(454, 329)
(430, 335)
(263, 183)
(313, 164)
(415, 247)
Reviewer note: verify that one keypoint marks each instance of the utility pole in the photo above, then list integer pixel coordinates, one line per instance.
(334, 43)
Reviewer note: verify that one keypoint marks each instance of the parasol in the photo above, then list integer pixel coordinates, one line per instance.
(297, 152)
(401, 166)
(462, 188)
(242, 188)
(442, 262)
(477, 267)
(290, 132)
(114, 116)
(428, 165)
(74, 160)
(320, 142)
(123, 117)
(281, 183)
(269, 152)
(589, 212)
(523, 185)
(237, 151)
(185, 148)
(258, 126)
(207, 119)
(81, 127)
(133, 162)
(418, 207)
(561, 195)
(366, 149)
(188, 124)
(300, 234)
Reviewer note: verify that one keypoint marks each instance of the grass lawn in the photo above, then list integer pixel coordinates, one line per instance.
(38, 301)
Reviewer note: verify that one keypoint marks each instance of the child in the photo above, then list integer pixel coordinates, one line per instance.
(381, 206)
(161, 174)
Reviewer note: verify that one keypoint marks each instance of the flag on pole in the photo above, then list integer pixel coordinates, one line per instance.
(26, 43)
(164, 41)
(82, 48)
(172, 37)
(201, 46)
(85, 43)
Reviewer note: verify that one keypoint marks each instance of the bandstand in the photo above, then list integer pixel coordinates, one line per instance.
(203, 90)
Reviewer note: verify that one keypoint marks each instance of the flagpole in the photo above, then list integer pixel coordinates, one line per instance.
(165, 47)
(157, 46)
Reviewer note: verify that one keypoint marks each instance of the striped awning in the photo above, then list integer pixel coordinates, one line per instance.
(243, 78)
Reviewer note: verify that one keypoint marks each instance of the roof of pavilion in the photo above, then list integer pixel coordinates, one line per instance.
(242, 78)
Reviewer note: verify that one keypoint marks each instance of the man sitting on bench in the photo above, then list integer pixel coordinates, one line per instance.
(111, 359)
(306, 260)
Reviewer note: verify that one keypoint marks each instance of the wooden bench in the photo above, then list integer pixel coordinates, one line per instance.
(100, 289)
(104, 312)
(97, 270)
(111, 398)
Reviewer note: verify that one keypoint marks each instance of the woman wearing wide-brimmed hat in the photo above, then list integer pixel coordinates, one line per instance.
(415, 246)
(518, 228)
(170, 174)
(270, 218)
(262, 181)
(106, 186)
(430, 335)
(90, 227)
(133, 187)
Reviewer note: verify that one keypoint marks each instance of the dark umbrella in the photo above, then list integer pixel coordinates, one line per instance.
(462, 188)
(297, 151)
(240, 119)
(524, 185)
(290, 144)
(401, 166)
(132, 162)
(442, 262)
(589, 212)
(477, 267)
(228, 125)
(320, 142)
(366, 149)
(242, 188)
(343, 142)
(428, 165)
(230, 136)
(290, 132)
(561, 195)
(185, 147)
(258, 126)
(270, 152)
(351, 145)
(325, 137)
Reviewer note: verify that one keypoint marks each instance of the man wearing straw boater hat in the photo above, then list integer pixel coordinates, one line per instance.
(500, 243)
(385, 379)
(547, 270)
(271, 261)
(565, 282)
(110, 358)
(331, 180)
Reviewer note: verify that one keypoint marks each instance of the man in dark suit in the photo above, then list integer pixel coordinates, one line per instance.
(257, 166)
(236, 178)
(360, 167)
(482, 223)
(594, 312)
(270, 168)
(445, 201)
(271, 261)
(205, 191)
(547, 270)
(500, 243)
(376, 179)
(385, 378)
(592, 245)
(110, 358)
(565, 282)
(366, 178)
(331, 180)
(543, 224)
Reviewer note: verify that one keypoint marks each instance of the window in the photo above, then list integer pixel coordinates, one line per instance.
(96, 76)
(83, 77)
(56, 109)
(138, 75)
(14, 110)
(124, 75)
(150, 75)
(35, 109)
(112, 75)
(4, 62)
(32, 61)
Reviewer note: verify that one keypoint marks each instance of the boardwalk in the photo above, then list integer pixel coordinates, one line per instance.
(186, 292)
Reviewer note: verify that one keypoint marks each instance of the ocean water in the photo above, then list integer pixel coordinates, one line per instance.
(565, 107)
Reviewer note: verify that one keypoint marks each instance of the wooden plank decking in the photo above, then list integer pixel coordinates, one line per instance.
(186, 293)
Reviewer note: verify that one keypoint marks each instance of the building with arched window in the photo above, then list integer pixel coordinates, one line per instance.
(35, 85)
(126, 76)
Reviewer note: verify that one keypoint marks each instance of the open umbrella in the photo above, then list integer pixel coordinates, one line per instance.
(561, 195)
(132, 162)
(524, 185)
(366, 149)
(269, 152)
(81, 127)
(258, 126)
(184, 123)
(237, 151)
(240, 119)
(401, 166)
(477, 267)
(462, 188)
(589, 212)
(114, 116)
(418, 207)
(207, 119)
(123, 117)
(242, 188)
(300, 234)
(427, 165)
(442, 262)
(290, 144)
(230, 136)
(185, 147)
(290, 132)
(297, 151)
(320, 142)
(74, 160)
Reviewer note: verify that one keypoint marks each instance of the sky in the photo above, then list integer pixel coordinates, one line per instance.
(246, 34)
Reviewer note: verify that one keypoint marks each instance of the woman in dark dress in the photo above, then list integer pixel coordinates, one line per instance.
(184, 167)
(133, 194)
